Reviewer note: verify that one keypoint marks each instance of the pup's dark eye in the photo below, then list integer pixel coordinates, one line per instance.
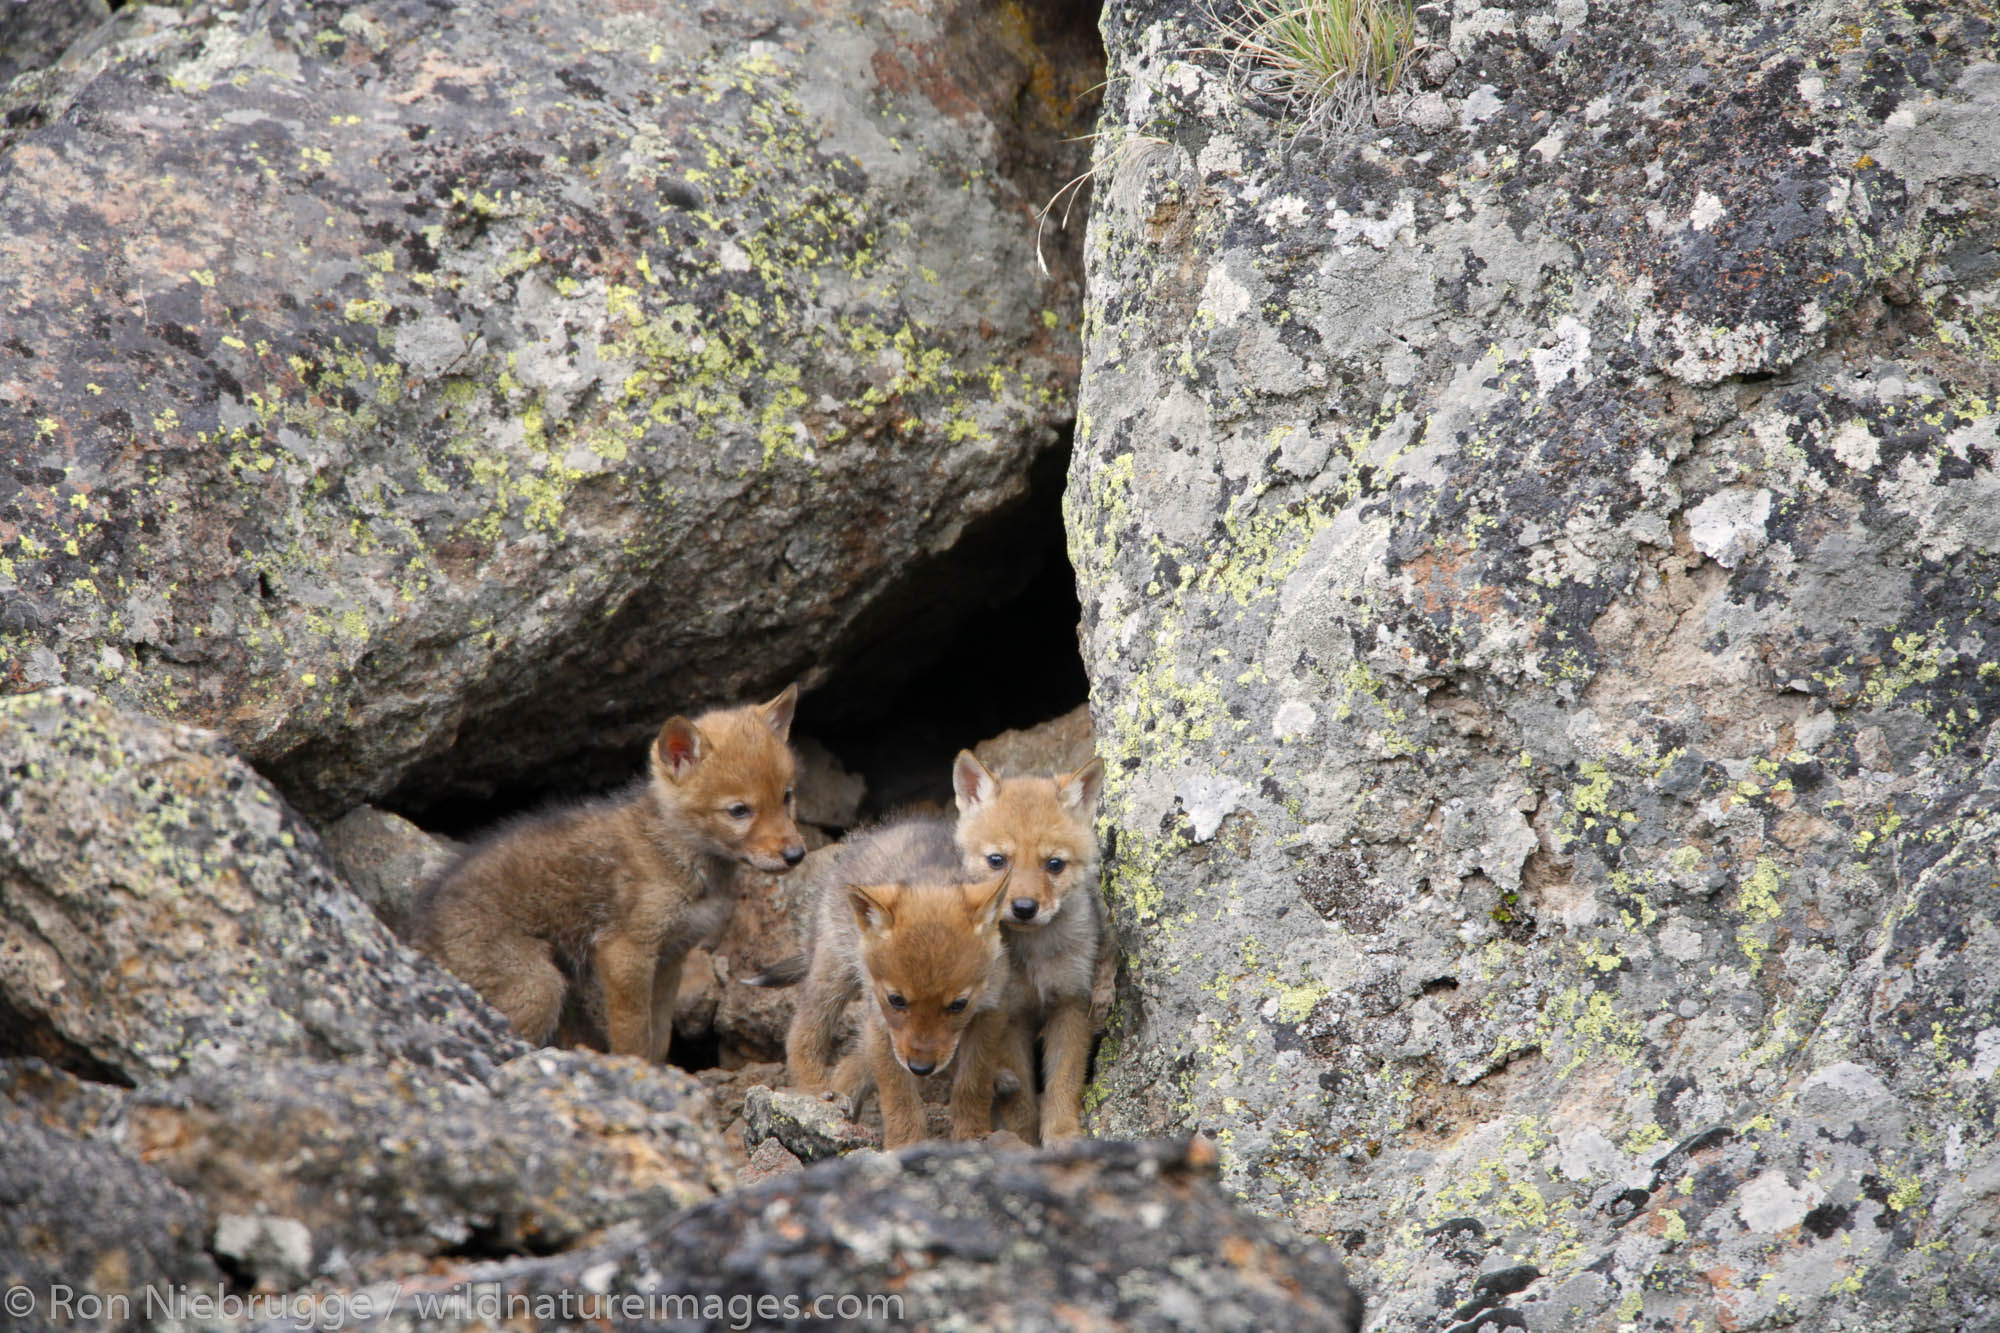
(739, 811)
(1054, 865)
(897, 1002)
(998, 860)
(955, 1007)
(788, 796)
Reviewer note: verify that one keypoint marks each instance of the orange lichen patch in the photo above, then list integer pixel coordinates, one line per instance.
(1438, 573)
(434, 69)
(937, 79)
(157, 1133)
(1722, 1280)
(1799, 829)
(1431, 570)
(1015, 30)
(889, 71)
(112, 1271)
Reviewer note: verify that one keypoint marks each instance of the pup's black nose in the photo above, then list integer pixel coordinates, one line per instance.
(1024, 909)
(922, 1067)
(794, 855)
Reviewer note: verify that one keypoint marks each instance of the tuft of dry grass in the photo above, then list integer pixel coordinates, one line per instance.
(1118, 154)
(1326, 60)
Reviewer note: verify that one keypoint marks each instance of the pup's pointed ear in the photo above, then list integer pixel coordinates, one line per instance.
(972, 782)
(1078, 792)
(678, 749)
(874, 905)
(778, 712)
(984, 899)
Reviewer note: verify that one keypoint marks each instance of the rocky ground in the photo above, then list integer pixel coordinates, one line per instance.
(242, 1085)
(417, 402)
(1536, 544)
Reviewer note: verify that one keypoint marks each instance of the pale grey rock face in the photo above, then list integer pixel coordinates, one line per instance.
(1538, 606)
(163, 910)
(387, 860)
(428, 395)
(808, 1126)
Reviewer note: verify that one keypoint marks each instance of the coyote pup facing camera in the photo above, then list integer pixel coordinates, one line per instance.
(900, 923)
(1038, 831)
(620, 888)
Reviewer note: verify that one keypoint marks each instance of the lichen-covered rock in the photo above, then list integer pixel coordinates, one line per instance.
(810, 1127)
(1539, 576)
(289, 1171)
(1099, 1235)
(768, 1159)
(384, 1168)
(82, 1217)
(388, 379)
(36, 35)
(162, 908)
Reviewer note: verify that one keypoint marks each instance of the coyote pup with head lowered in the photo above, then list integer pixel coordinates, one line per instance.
(621, 888)
(1038, 831)
(899, 921)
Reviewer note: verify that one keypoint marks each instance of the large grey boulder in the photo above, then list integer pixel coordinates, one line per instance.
(162, 909)
(250, 1065)
(392, 379)
(1538, 573)
(373, 1168)
(1100, 1235)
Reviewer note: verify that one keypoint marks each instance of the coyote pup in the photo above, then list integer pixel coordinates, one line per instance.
(1038, 830)
(620, 888)
(900, 921)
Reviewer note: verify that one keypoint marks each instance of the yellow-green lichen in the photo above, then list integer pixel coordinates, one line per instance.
(1757, 901)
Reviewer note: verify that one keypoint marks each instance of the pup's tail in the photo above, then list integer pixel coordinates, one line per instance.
(784, 972)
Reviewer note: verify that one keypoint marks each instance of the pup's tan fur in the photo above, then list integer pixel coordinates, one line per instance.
(614, 892)
(899, 921)
(1039, 830)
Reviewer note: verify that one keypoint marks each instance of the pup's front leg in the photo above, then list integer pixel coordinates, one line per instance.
(972, 1085)
(896, 1089)
(1065, 1060)
(626, 969)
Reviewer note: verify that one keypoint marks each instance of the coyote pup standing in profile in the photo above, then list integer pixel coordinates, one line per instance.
(621, 888)
(1038, 831)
